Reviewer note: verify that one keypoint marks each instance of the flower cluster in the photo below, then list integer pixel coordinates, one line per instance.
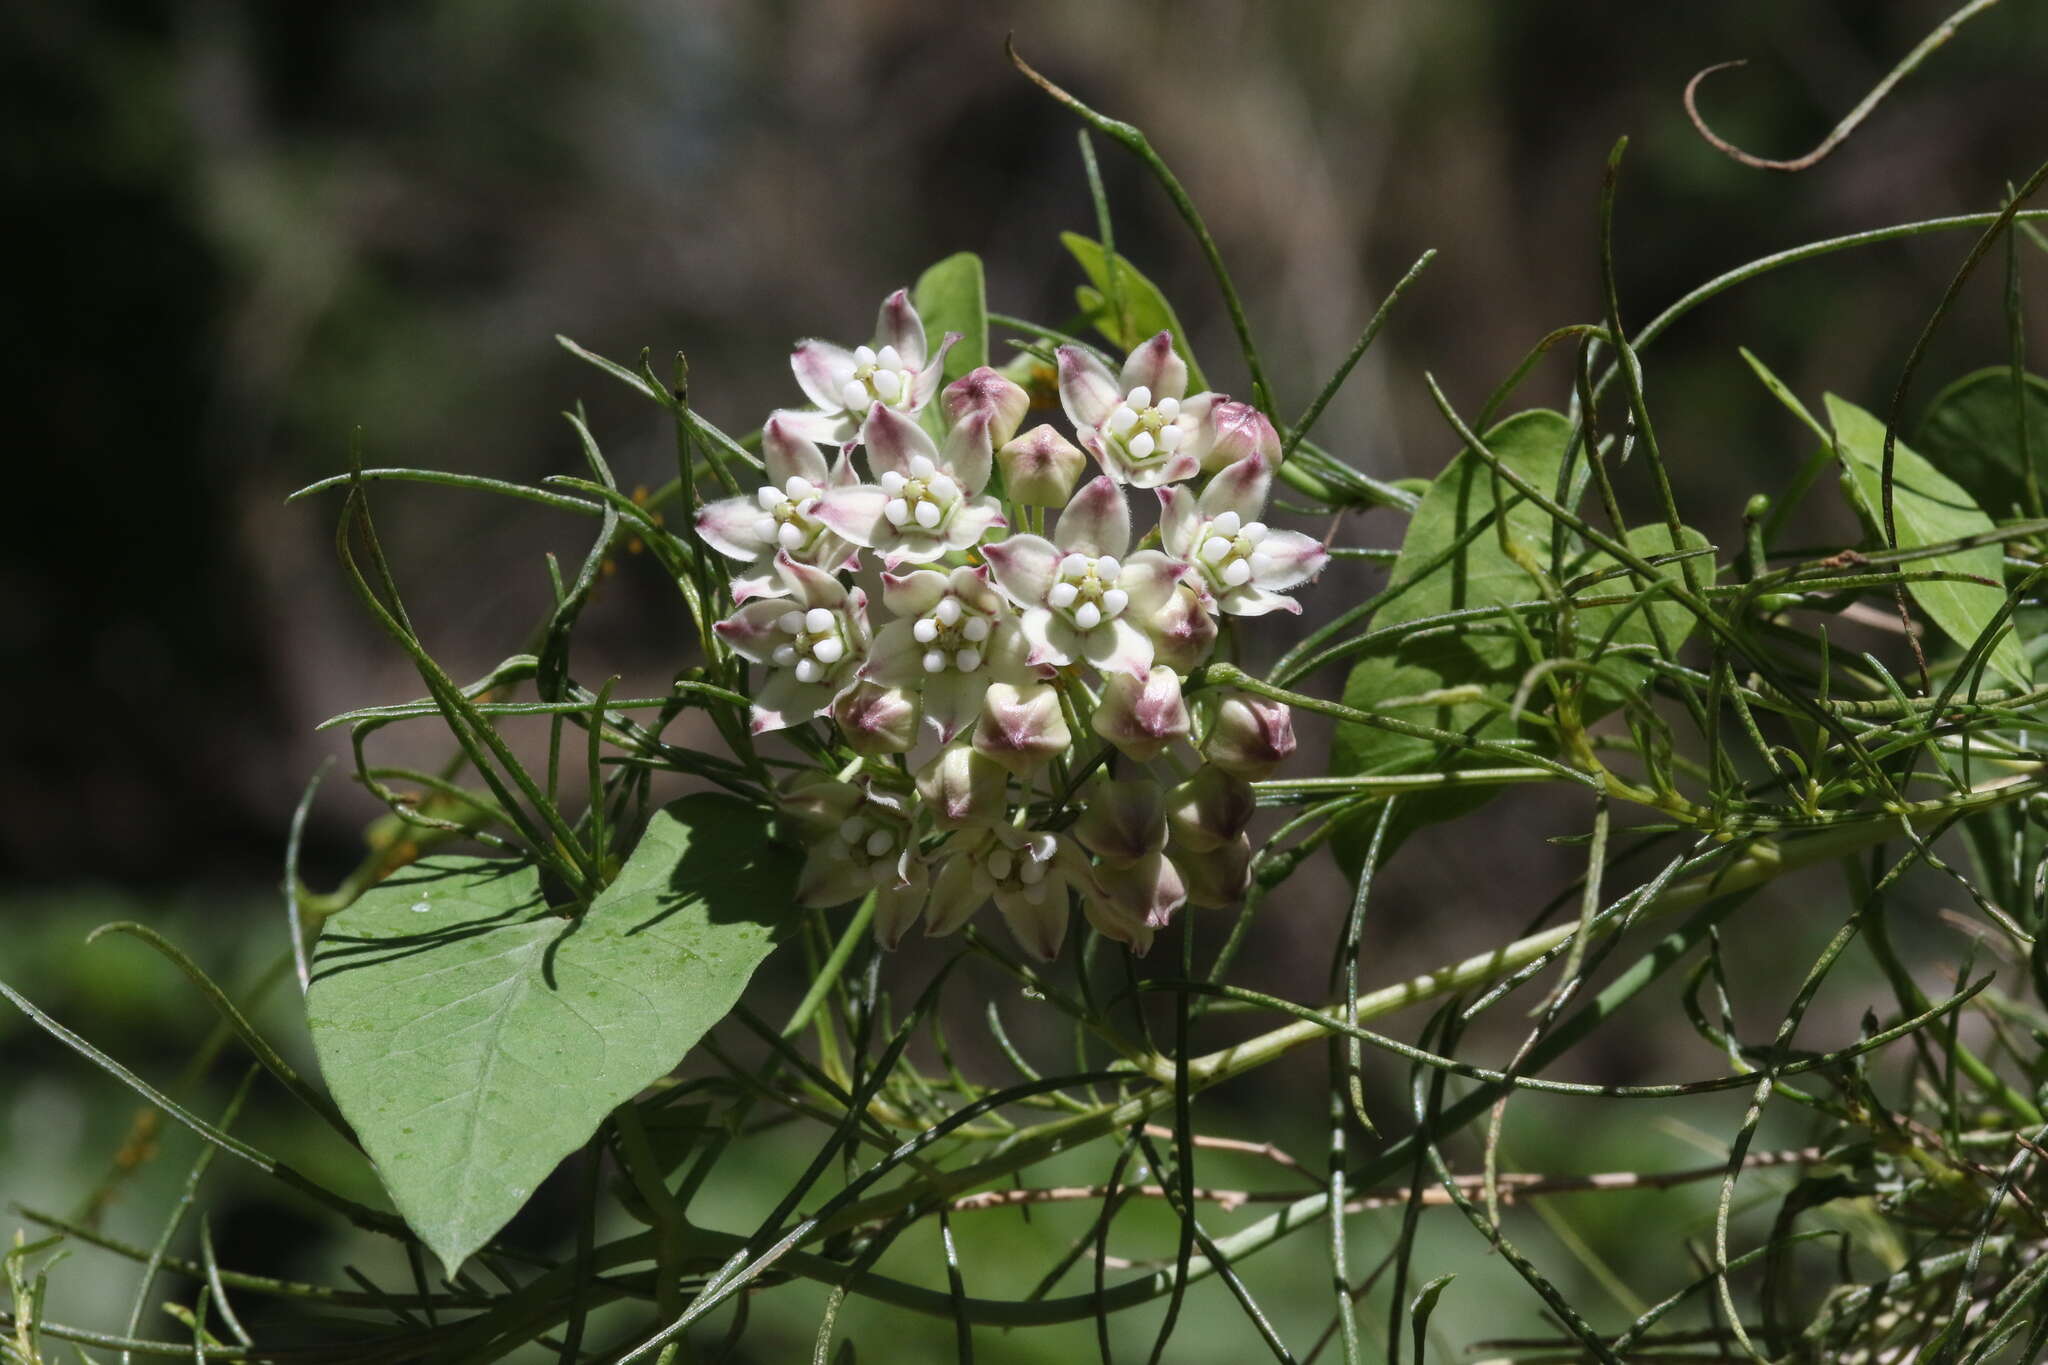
(1016, 662)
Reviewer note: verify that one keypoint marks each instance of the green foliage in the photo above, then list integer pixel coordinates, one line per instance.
(1140, 311)
(1930, 509)
(951, 296)
(1971, 431)
(474, 1035)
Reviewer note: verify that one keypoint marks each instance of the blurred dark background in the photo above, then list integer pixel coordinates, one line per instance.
(238, 233)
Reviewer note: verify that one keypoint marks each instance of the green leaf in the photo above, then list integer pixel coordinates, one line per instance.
(1146, 313)
(473, 1037)
(952, 297)
(1930, 508)
(1484, 657)
(1971, 433)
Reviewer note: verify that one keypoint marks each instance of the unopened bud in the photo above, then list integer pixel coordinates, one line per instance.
(1209, 809)
(1236, 430)
(1252, 736)
(1183, 631)
(1122, 821)
(986, 390)
(1149, 890)
(1141, 716)
(962, 787)
(1041, 467)
(1022, 728)
(1217, 878)
(876, 719)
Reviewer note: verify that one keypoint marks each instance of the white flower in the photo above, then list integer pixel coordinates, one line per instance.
(893, 370)
(1026, 873)
(813, 639)
(778, 514)
(1082, 594)
(953, 635)
(1240, 562)
(925, 502)
(1139, 425)
(859, 838)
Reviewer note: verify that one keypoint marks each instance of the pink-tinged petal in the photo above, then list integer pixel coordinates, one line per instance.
(876, 719)
(985, 390)
(1149, 578)
(1183, 631)
(1291, 559)
(1088, 391)
(751, 586)
(897, 907)
(1049, 641)
(823, 370)
(970, 583)
(727, 526)
(831, 554)
(952, 700)
(1022, 728)
(1108, 454)
(1251, 601)
(1158, 367)
(810, 584)
(1122, 822)
(900, 549)
(968, 453)
(972, 522)
(893, 439)
(1241, 488)
(1141, 716)
(1117, 646)
(787, 455)
(854, 514)
(829, 428)
(915, 593)
(1210, 809)
(1216, 878)
(1097, 521)
(1178, 521)
(1023, 567)
(961, 787)
(1252, 736)
(783, 702)
(1182, 464)
(1115, 923)
(1235, 430)
(844, 475)
(752, 632)
(897, 658)
(960, 889)
(1004, 657)
(830, 878)
(1039, 925)
(899, 325)
(1150, 890)
(927, 380)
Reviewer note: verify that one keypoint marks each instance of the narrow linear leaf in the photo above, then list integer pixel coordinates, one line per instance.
(474, 1037)
(1930, 509)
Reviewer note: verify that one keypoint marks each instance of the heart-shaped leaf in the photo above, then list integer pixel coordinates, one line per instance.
(1972, 433)
(474, 1037)
(951, 297)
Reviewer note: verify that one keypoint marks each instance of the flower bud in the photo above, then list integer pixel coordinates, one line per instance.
(962, 787)
(1141, 716)
(1022, 728)
(1122, 821)
(1235, 431)
(1041, 467)
(876, 719)
(1209, 809)
(1252, 736)
(1217, 878)
(1114, 922)
(1183, 631)
(1149, 890)
(986, 390)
